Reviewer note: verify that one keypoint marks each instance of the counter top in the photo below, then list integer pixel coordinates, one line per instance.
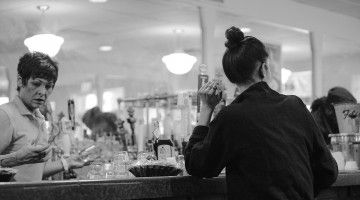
(134, 188)
(347, 179)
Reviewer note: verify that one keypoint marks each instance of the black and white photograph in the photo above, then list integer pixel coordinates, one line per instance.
(179, 99)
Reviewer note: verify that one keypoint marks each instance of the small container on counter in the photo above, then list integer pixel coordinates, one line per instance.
(181, 164)
(345, 148)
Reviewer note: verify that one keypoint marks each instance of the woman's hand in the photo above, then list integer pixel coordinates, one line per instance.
(26, 155)
(33, 154)
(75, 162)
(211, 93)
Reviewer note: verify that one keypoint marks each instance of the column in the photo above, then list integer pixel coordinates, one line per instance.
(316, 59)
(99, 86)
(207, 24)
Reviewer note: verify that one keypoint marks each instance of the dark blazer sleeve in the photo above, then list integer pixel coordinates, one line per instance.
(208, 149)
(324, 166)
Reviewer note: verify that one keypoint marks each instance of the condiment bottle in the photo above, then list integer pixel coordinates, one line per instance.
(203, 78)
(71, 112)
(163, 148)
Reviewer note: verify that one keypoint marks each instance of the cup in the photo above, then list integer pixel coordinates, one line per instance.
(120, 164)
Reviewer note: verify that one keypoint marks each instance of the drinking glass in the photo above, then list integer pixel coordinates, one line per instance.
(120, 164)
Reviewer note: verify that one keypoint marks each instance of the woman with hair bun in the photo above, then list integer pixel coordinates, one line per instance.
(268, 142)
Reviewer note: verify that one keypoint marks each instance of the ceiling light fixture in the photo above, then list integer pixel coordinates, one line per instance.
(179, 62)
(98, 1)
(105, 48)
(46, 43)
(178, 31)
(43, 8)
(4, 100)
(49, 44)
(245, 29)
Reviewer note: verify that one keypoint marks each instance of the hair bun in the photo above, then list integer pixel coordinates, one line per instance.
(234, 37)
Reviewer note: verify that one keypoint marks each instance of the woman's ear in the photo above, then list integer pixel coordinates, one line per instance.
(263, 70)
(266, 71)
(261, 73)
(19, 82)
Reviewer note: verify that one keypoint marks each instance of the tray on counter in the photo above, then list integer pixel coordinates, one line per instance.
(154, 170)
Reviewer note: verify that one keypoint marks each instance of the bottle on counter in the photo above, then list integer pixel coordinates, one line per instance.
(150, 146)
(71, 112)
(177, 147)
(65, 137)
(183, 146)
(181, 165)
(163, 149)
(203, 78)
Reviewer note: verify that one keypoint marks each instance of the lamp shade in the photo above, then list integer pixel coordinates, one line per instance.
(45, 43)
(179, 62)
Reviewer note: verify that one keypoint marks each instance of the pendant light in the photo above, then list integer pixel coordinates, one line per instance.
(47, 43)
(179, 62)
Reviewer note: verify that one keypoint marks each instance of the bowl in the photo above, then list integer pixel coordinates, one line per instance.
(6, 174)
(152, 170)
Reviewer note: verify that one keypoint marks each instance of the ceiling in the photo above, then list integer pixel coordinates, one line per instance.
(140, 32)
(346, 7)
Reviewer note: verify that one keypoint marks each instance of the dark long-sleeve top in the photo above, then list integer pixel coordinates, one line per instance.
(325, 126)
(326, 123)
(269, 144)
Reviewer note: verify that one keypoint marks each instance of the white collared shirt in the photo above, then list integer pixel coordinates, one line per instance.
(21, 127)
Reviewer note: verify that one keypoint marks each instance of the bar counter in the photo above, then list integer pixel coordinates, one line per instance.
(347, 186)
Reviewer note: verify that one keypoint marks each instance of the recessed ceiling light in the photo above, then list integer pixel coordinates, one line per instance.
(178, 30)
(98, 1)
(105, 48)
(43, 8)
(245, 29)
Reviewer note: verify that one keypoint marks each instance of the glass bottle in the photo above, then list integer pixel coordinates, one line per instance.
(203, 78)
(163, 149)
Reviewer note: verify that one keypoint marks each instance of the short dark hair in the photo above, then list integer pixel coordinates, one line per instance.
(108, 118)
(241, 55)
(339, 95)
(37, 65)
(89, 116)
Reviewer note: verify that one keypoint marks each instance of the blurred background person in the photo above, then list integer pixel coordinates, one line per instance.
(102, 124)
(322, 109)
(106, 126)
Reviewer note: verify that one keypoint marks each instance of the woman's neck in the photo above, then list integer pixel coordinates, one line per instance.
(31, 109)
(245, 86)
